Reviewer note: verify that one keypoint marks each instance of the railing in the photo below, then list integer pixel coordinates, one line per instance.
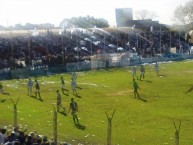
(97, 62)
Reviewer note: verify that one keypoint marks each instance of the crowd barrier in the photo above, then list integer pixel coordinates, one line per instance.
(97, 62)
(5, 73)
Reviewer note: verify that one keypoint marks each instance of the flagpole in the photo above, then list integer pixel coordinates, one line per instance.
(137, 40)
(170, 39)
(12, 48)
(91, 47)
(135, 35)
(77, 45)
(29, 48)
(151, 29)
(46, 42)
(160, 38)
(104, 43)
(117, 38)
(63, 47)
(179, 36)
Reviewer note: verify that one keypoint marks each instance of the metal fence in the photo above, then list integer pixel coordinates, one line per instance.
(99, 61)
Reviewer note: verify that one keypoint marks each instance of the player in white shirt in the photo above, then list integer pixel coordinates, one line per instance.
(29, 87)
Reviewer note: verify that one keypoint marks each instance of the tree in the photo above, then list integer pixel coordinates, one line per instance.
(30, 26)
(145, 14)
(184, 14)
(45, 26)
(2, 27)
(84, 22)
(19, 27)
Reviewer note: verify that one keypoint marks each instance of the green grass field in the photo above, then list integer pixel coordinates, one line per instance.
(135, 122)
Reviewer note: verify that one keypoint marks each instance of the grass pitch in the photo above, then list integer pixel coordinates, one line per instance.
(135, 122)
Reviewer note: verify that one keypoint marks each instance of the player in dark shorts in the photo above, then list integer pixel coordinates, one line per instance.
(63, 85)
(74, 108)
(37, 92)
(142, 72)
(135, 89)
(59, 101)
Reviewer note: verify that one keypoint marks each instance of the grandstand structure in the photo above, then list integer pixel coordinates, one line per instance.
(24, 54)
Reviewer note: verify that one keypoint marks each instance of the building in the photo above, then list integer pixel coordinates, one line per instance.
(123, 15)
(124, 18)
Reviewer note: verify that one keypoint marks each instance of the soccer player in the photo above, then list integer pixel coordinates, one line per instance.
(73, 85)
(63, 85)
(37, 92)
(134, 72)
(59, 101)
(135, 89)
(29, 87)
(156, 68)
(142, 72)
(74, 108)
(74, 76)
(1, 88)
(2, 91)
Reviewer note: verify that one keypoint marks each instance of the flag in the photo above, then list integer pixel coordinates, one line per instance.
(151, 28)
(28, 41)
(133, 27)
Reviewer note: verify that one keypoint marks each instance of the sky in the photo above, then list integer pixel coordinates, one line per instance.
(54, 11)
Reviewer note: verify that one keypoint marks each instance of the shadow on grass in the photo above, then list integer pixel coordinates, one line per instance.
(76, 95)
(139, 98)
(65, 94)
(66, 90)
(34, 97)
(146, 81)
(4, 93)
(2, 100)
(80, 126)
(189, 90)
(78, 87)
(62, 113)
(142, 99)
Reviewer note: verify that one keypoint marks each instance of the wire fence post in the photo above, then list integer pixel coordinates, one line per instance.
(55, 125)
(176, 135)
(109, 127)
(15, 112)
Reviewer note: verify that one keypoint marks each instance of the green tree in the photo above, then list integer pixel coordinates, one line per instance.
(184, 14)
(84, 22)
(145, 14)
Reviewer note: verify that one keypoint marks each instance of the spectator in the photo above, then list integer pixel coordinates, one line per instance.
(3, 136)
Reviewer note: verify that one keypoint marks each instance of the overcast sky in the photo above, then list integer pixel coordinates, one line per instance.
(53, 11)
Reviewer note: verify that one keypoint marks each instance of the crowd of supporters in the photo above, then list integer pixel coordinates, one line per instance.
(75, 45)
(21, 137)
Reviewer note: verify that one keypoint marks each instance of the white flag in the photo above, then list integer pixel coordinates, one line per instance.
(133, 27)
(151, 28)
